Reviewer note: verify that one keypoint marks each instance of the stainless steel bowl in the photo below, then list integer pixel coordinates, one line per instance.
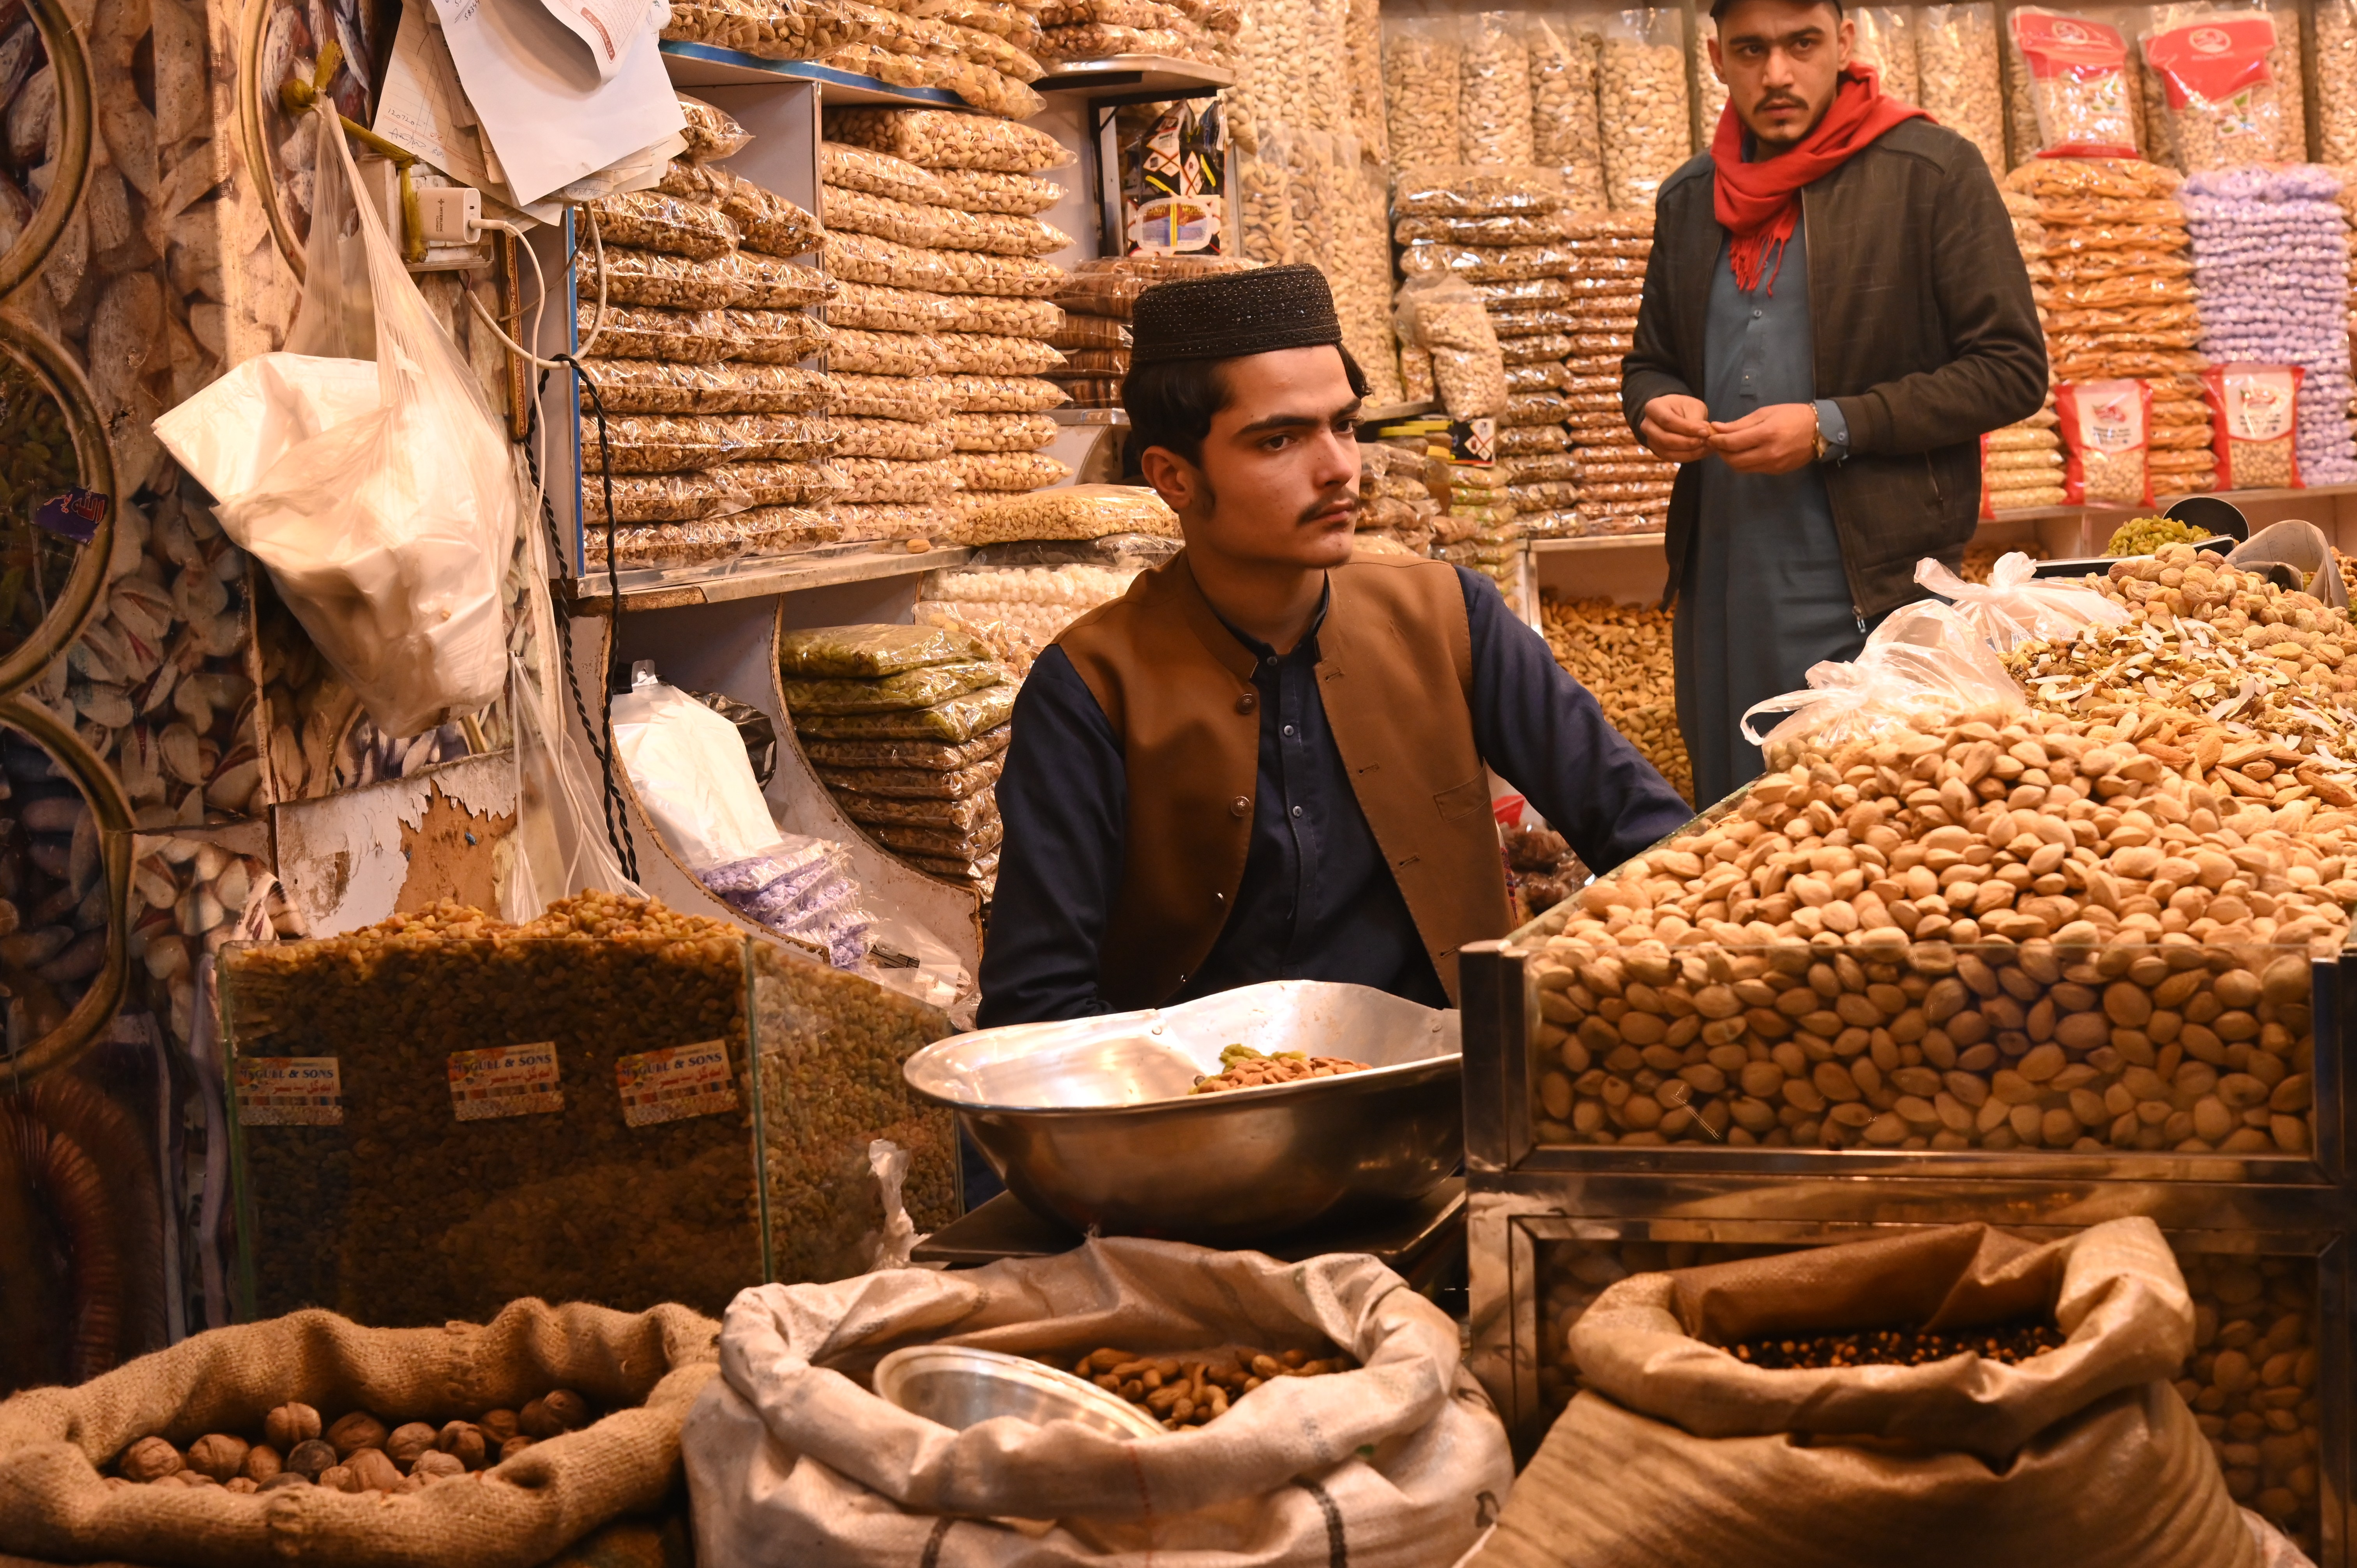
(1090, 1121)
(960, 1387)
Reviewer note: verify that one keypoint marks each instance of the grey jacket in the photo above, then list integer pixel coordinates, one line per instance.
(1926, 337)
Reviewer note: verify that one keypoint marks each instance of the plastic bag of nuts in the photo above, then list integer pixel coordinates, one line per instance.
(661, 444)
(654, 277)
(1493, 97)
(864, 258)
(775, 337)
(1002, 394)
(2106, 428)
(1422, 58)
(864, 212)
(1640, 86)
(768, 223)
(650, 221)
(660, 497)
(872, 480)
(1013, 318)
(1000, 233)
(1444, 317)
(862, 352)
(2255, 424)
(1956, 53)
(847, 167)
(915, 398)
(988, 190)
(992, 354)
(773, 30)
(878, 308)
(895, 438)
(999, 432)
(665, 546)
(1001, 471)
(765, 283)
(1564, 132)
(938, 139)
(711, 132)
(666, 386)
(1070, 511)
(1463, 191)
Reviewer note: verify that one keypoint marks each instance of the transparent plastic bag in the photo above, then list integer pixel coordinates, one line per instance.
(845, 168)
(1523, 293)
(965, 815)
(869, 653)
(864, 258)
(768, 223)
(1011, 317)
(1534, 321)
(662, 497)
(1089, 390)
(656, 278)
(711, 132)
(949, 844)
(992, 354)
(703, 184)
(387, 532)
(1545, 375)
(1493, 97)
(1956, 54)
(1103, 40)
(1007, 471)
(958, 719)
(998, 432)
(1422, 60)
(662, 546)
(978, 271)
(863, 352)
(886, 479)
(1118, 13)
(1010, 21)
(775, 337)
(987, 191)
(772, 29)
(1565, 134)
(2254, 410)
(2224, 105)
(915, 783)
(1091, 332)
(877, 308)
(998, 233)
(1109, 285)
(936, 139)
(1444, 316)
(1460, 190)
(1532, 440)
(2014, 607)
(1923, 666)
(688, 767)
(903, 440)
(931, 756)
(776, 483)
(662, 386)
(1003, 394)
(890, 521)
(919, 688)
(1886, 40)
(765, 283)
(1642, 94)
(915, 398)
(1072, 511)
(2105, 426)
(1482, 264)
(650, 221)
(1507, 229)
(664, 444)
(864, 212)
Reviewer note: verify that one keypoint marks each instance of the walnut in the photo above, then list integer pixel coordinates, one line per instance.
(151, 1459)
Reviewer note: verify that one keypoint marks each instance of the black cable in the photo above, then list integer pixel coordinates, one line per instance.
(618, 823)
(628, 848)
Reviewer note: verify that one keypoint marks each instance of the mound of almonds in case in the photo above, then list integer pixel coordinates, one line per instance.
(357, 1452)
(2024, 930)
(1192, 1388)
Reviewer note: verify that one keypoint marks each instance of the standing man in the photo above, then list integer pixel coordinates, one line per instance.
(1834, 313)
(1268, 760)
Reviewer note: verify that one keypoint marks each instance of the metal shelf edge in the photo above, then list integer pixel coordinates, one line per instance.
(589, 596)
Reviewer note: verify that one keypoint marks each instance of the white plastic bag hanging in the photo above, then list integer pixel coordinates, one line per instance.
(2014, 608)
(1925, 663)
(687, 765)
(386, 534)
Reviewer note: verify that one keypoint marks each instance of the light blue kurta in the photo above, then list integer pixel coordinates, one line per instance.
(1764, 594)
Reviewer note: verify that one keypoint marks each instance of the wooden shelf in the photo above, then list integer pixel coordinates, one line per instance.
(761, 578)
(707, 64)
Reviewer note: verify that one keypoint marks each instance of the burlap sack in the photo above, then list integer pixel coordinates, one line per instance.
(1679, 1454)
(646, 1368)
(791, 1460)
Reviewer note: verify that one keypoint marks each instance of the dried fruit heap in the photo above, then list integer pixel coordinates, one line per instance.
(1241, 1067)
(1621, 653)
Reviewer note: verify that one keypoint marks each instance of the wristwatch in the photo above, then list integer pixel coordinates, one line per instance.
(1816, 434)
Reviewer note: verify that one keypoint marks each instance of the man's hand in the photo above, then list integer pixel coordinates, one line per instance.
(1676, 429)
(1775, 440)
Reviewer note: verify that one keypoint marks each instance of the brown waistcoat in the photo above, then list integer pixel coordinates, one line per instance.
(1394, 672)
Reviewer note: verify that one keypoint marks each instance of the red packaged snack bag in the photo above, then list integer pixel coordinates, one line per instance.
(2106, 428)
(2255, 425)
(2222, 93)
(2078, 83)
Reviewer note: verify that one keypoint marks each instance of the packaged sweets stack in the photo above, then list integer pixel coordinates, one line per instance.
(713, 444)
(2022, 465)
(905, 725)
(1096, 299)
(974, 256)
(1396, 508)
(2271, 262)
(2120, 304)
(1017, 611)
(1479, 529)
(1623, 487)
(1492, 238)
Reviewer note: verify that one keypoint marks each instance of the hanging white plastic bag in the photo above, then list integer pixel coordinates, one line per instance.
(1924, 664)
(385, 532)
(2014, 608)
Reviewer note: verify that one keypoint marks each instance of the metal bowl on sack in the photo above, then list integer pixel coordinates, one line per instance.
(960, 1387)
(1091, 1121)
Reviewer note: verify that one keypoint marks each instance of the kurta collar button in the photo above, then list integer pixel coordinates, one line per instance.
(1241, 806)
(1247, 702)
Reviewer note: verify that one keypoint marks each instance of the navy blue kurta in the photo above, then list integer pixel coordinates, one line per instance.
(1316, 902)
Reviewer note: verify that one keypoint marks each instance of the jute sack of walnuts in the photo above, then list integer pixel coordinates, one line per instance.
(647, 1367)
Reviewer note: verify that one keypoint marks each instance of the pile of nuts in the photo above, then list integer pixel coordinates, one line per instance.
(1621, 653)
(1195, 1388)
(357, 1452)
(1794, 974)
(2253, 684)
(2008, 1345)
(1244, 1068)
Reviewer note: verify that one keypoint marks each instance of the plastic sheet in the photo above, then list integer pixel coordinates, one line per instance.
(766, 283)
(1511, 228)
(2076, 69)
(650, 221)
(661, 386)
(1444, 318)
(934, 138)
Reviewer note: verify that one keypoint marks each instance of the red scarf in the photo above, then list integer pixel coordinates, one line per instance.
(1758, 203)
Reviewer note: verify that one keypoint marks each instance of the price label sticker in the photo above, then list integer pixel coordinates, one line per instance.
(289, 1091)
(675, 1082)
(505, 1081)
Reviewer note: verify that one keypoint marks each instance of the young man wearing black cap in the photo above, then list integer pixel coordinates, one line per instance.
(1269, 761)
(1835, 312)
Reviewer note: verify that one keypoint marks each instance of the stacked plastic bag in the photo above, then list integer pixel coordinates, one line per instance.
(1480, 528)
(2271, 260)
(710, 446)
(2021, 465)
(1201, 31)
(1096, 299)
(2121, 302)
(1396, 509)
(982, 50)
(1017, 611)
(934, 239)
(1623, 488)
(905, 725)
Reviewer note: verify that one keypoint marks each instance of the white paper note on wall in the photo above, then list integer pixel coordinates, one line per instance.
(605, 27)
(543, 111)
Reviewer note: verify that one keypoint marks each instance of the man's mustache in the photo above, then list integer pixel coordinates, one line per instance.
(1319, 508)
(1778, 101)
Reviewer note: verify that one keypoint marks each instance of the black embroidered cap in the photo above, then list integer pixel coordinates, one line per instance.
(1225, 316)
